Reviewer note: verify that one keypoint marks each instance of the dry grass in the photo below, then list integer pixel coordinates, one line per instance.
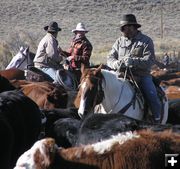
(22, 22)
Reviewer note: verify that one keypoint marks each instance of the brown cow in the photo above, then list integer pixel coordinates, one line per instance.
(40, 156)
(45, 94)
(171, 82)
(165, 74)
(143, 150)
(173, 92)
(13, 73)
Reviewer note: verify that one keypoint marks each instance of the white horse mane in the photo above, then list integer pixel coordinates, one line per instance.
(112, 76)
(113, 95)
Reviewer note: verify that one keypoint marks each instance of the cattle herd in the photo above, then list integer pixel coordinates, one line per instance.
(40, 129)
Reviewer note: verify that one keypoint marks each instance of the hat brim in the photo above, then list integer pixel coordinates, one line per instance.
(46, 28)
(135, 24)
(79, 30)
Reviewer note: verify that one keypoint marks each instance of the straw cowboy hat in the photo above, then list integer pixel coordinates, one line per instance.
(129, 19)
(52, 27)
(80, 27)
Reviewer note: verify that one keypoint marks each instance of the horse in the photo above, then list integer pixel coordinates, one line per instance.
(22, 67)
(101, 91)
(20, 124)
(21, 61)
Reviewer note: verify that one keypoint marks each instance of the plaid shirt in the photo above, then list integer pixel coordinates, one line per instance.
(81, 50)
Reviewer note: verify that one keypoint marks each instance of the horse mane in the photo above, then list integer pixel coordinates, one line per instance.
(119, 84)
(111, 77)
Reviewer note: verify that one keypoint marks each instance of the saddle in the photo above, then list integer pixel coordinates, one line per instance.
(67, 79)
(36, 75)
(161, 95)
(140, 96)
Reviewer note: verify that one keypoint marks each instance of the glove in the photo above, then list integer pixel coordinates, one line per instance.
(70, 58)
(128, 61)
(116, 64)
(66, 62)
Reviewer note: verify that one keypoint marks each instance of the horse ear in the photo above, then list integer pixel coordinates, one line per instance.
(26, 51)
(98, 69)
(82, 67)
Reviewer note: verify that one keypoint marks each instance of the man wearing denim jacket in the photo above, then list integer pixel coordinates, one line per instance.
(136, 50)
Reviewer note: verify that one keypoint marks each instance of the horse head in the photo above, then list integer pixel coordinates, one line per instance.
(90, 90)
(22, 59)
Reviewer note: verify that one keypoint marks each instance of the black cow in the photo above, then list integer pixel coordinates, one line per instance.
(20, 124)
(5, 85)
(174, 112)
(63, 125)
(96, 127)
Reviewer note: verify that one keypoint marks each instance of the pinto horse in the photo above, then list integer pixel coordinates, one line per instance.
(101, 91)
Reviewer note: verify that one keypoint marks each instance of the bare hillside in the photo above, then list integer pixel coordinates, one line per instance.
(26, 18)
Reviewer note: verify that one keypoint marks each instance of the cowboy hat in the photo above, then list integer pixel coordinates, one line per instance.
(129, 19)
(80, 27)
(52, 27)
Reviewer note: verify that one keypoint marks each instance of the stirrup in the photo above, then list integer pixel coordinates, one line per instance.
(157, 120)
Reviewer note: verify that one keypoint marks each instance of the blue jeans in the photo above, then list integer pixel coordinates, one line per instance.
(50, 71)
(149, 90)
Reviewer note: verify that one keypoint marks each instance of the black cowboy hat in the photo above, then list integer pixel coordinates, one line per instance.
(129, 19)
(52, 27)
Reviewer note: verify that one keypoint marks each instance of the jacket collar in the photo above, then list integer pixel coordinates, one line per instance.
(127, 42)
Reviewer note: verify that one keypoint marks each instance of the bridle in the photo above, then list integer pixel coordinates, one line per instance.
(99, 96)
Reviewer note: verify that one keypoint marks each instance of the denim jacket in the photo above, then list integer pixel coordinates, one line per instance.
(140, 49)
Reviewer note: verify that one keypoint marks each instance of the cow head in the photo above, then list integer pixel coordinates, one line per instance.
(40, 156)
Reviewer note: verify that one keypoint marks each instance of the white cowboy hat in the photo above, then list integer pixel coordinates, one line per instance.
(80, 27)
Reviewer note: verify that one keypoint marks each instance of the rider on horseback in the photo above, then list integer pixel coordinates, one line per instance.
(136, 50)
(79, 53)
(48, 56)
(80, 49)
